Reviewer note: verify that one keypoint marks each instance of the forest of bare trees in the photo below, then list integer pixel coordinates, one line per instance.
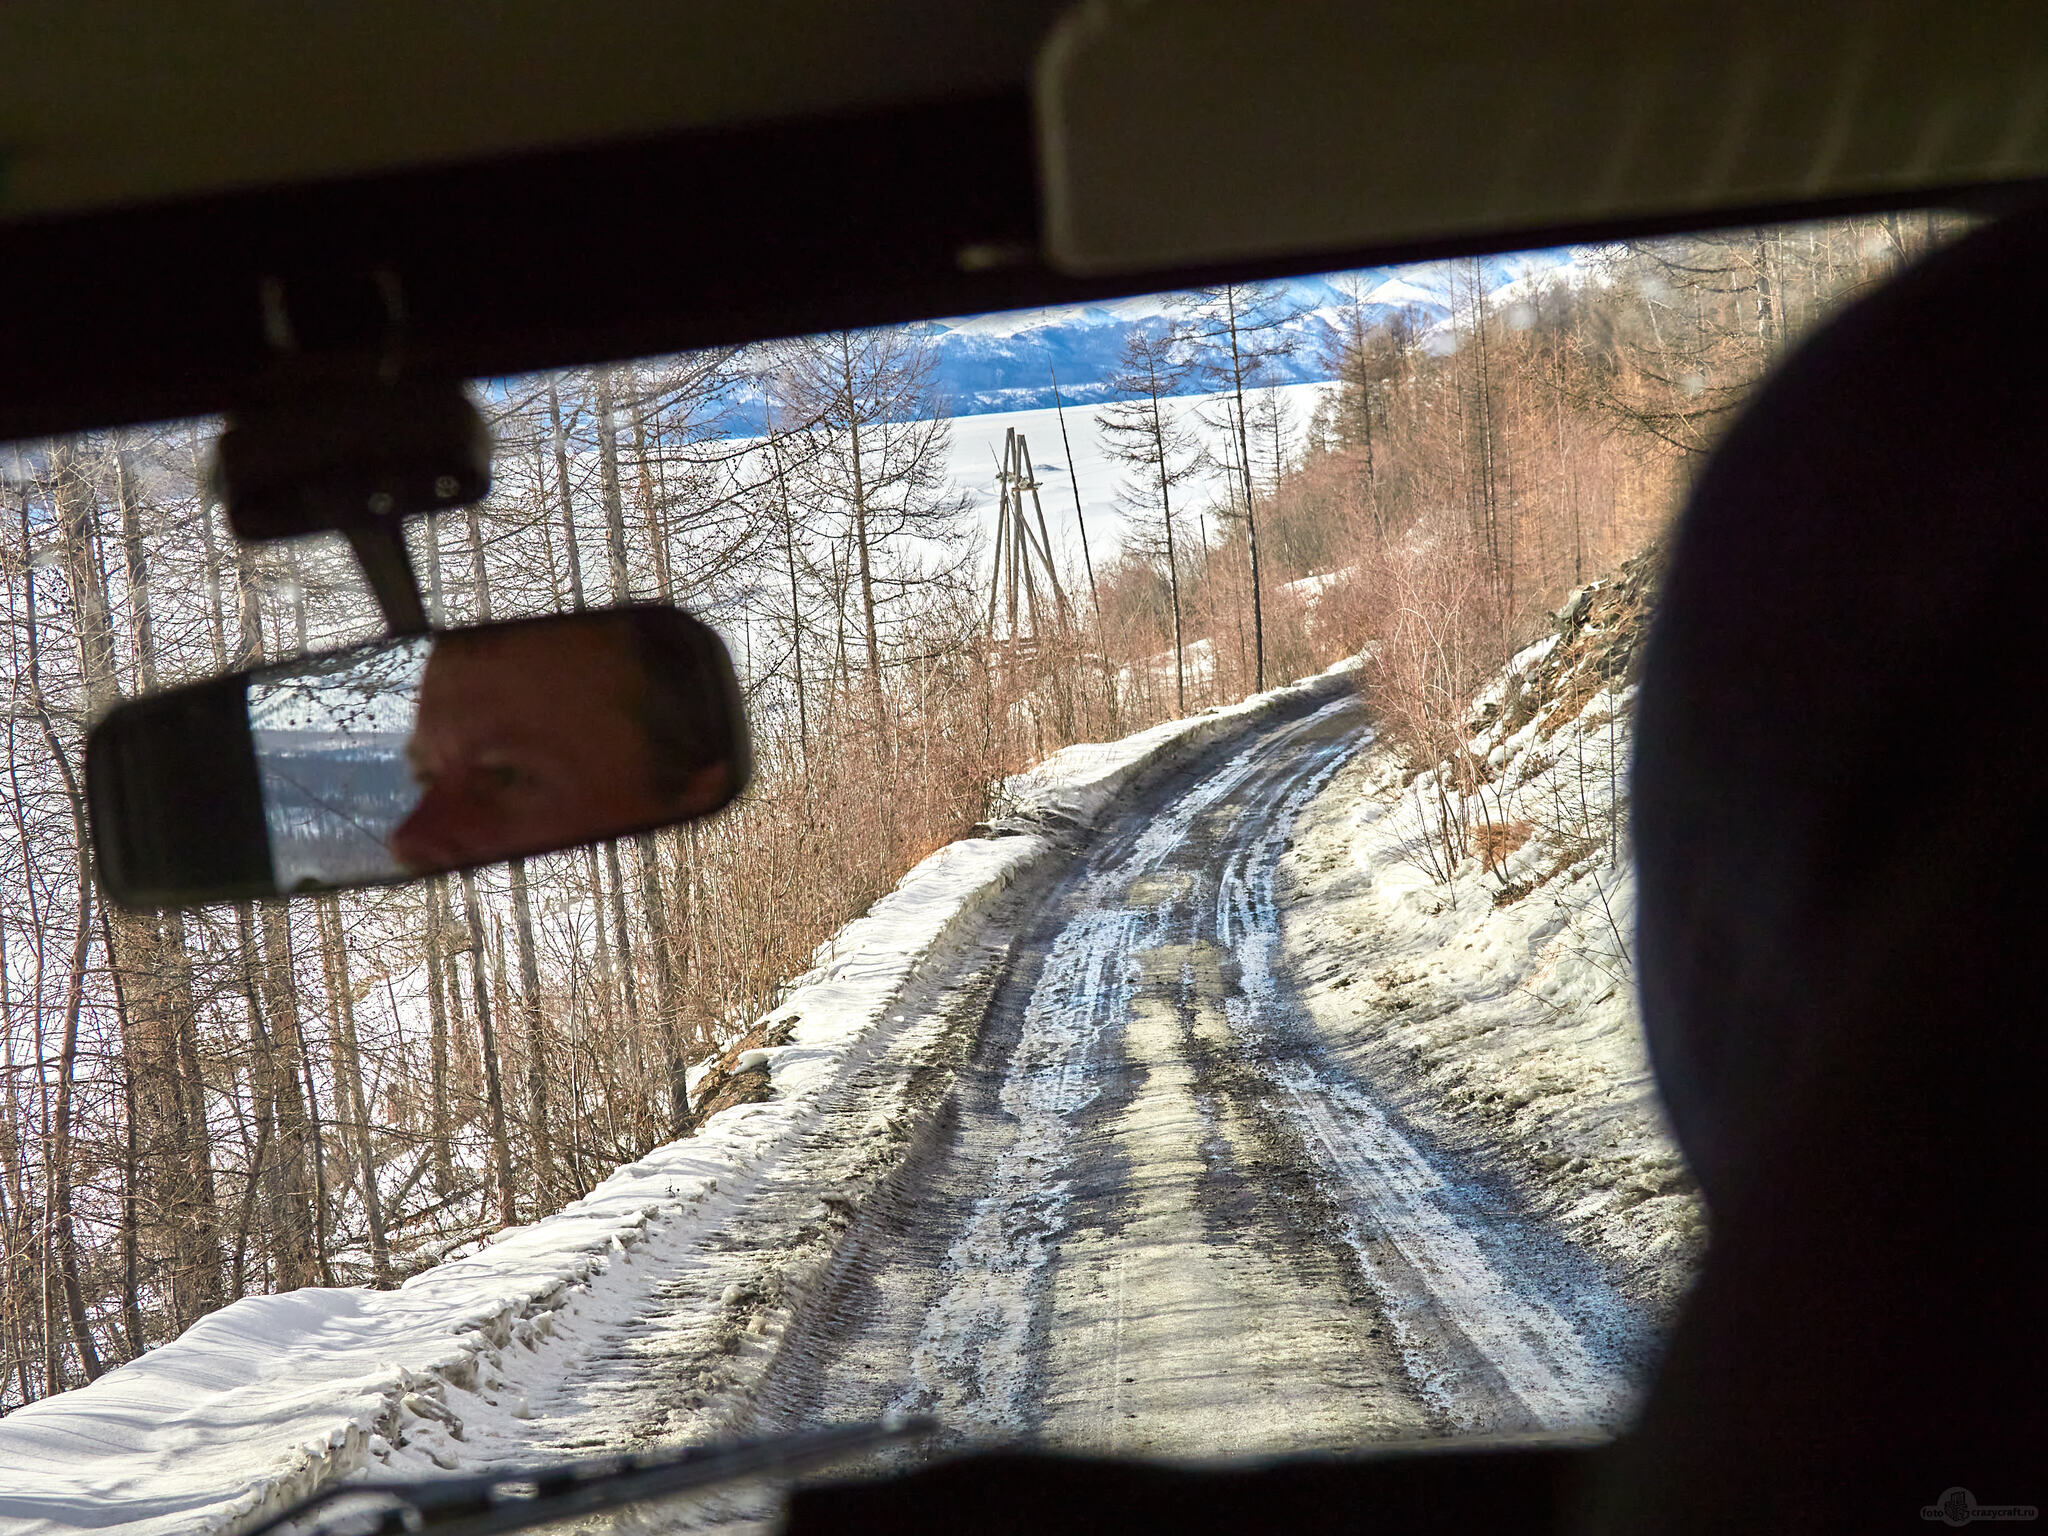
(1467, 474)
(342, 1090)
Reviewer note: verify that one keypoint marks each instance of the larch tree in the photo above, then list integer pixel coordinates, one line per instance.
(1143, 433)
(1238, 332)
(1368, 357)
(875, 463)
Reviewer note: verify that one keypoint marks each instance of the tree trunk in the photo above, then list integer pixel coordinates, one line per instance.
(59, 1219)
(439, 1126)
(436, 593)
(601, 949)
(480, 574)
(614, 496)
(1251, 515)
(194, 1221)
(796, 612)
(860, 528)
(348, 1067)
(62, 1226)
(262, 1173)
(668, 995)
(561, 446)
(1180, 680)
(494, 1093)
(622, 940)
(96, 656)
(131, 1223)
(1372, 478)
(650, 511)
(295, 1248)
(537, 1064)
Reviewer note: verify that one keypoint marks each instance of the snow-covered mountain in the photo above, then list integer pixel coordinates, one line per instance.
(1007, 361)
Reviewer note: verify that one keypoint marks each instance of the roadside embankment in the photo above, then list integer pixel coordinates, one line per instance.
(1485, 980)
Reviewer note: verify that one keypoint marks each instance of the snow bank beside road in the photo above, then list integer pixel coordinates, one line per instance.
(275, 1396)
(1497, 1007)
(272, 1397)
(1077, 783)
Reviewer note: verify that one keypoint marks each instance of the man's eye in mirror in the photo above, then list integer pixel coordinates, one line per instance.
(530, 736)
(427, 753)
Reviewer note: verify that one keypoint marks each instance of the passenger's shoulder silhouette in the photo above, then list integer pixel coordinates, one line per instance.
(1838, 837)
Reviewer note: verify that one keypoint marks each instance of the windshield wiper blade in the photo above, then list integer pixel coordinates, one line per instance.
(518, 1499)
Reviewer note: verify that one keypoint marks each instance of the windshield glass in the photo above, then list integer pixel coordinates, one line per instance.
(1167, 989)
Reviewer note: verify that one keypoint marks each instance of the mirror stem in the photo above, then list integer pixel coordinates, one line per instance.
(380, 551)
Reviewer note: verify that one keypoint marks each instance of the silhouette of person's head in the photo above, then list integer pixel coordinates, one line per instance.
(1838, 842)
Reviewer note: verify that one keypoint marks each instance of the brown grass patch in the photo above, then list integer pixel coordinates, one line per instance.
(1495, 841)
(1580, 689)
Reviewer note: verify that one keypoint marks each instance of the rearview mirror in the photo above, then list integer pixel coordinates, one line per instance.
(415, 755)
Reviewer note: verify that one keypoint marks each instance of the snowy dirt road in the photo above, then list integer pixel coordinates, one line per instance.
(1141, 1207)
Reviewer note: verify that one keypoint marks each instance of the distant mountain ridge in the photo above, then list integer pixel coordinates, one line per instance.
(1006, 361)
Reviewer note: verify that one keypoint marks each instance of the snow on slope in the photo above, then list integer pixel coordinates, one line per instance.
(274, 1396)
(1497, 1009)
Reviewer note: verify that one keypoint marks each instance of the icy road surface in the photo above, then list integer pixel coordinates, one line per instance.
(1141, 1209)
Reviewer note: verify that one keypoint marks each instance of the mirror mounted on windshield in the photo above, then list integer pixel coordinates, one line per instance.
(415, 755)
(340, 444)
(330, 448)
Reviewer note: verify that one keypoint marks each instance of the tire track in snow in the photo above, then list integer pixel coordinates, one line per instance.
(1468, 1334)
(1482, 1344)
(972, 1363)
(1154, 1216)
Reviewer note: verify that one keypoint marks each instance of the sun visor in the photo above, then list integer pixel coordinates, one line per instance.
(1186, 132)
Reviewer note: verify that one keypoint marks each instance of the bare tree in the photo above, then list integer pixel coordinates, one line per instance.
(1143, 433)
(1238, 331)
(876, 460)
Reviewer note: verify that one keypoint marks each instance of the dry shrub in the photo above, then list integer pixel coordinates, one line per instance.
(1580, 689)
(1497, 841)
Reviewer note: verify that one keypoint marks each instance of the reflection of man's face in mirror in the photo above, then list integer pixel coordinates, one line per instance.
(536, 737)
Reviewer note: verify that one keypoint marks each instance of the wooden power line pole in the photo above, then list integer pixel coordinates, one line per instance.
(1023, 554)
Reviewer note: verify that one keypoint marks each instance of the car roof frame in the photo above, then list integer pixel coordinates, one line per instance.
(582, 256)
